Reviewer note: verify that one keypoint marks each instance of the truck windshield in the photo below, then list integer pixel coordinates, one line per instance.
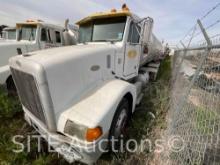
(27, 32)
(102, 30)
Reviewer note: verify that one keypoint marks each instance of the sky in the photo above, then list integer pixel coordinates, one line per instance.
(172, 18)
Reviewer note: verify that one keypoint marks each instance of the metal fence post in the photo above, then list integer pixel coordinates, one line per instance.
(209, 44)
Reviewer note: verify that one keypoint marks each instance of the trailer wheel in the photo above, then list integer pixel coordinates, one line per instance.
(11, 87)
(119, 125)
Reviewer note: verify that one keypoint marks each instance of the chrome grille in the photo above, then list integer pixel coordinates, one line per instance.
(28, 93)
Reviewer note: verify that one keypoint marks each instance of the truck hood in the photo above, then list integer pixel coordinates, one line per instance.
(9, 48)
(71, 71)
(58, 55)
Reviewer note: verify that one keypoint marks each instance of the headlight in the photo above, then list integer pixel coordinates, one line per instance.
(82, 132)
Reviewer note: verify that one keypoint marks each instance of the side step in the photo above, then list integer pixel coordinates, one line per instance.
(153, 69)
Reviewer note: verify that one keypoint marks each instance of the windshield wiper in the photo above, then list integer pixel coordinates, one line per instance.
(112, 40)
(107, 40)
(99, 41)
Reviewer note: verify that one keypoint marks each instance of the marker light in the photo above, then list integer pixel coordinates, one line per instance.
(93, 134)
(125, 7)
(113, 10)
(30, 20)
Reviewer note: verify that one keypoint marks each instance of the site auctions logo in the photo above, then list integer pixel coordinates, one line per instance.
(172, 144)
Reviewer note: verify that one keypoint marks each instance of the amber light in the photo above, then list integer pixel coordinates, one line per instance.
(93, 134)
(30, 20)
(113, 10)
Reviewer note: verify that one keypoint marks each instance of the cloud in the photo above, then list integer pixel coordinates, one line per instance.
(12, 11)
(172, 18)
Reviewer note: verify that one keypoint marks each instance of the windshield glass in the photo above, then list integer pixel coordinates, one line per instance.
(111, 29)
(28, 32)
(11, 34)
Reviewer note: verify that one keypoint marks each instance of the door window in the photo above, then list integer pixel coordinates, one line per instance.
(44, 35)
(58, 38)
(134, 36)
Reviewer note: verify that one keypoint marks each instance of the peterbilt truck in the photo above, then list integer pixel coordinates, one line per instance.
(83, 96)
(31, 36)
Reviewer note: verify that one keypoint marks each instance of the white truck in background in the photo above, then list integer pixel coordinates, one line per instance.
(86, 93)
(31, 36)
(9, 33)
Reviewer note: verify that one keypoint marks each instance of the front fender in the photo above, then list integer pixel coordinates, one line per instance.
(99, 107)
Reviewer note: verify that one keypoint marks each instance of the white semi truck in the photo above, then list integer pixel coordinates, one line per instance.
(9, 33)
(30, 36)
(83, 96)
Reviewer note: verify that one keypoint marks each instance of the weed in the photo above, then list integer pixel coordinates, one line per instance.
(9, 106)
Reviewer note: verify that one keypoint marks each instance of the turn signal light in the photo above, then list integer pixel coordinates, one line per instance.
(93, 134)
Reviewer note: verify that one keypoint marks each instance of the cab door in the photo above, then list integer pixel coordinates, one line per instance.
(132, 51)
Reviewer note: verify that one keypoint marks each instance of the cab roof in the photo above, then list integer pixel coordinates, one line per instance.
(36, 23)
(9, 28)
(104, 15)
(18, 25)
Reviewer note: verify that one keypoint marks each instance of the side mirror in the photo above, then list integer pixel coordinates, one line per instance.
(147, 29)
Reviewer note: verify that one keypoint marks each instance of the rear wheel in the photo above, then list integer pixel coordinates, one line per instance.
(118, 131)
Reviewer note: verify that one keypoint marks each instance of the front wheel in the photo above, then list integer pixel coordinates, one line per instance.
(120, 123)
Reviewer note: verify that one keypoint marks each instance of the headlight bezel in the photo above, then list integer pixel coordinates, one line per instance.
(73, 129)
(82, 132)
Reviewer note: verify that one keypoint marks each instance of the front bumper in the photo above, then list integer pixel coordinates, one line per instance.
(71, 149)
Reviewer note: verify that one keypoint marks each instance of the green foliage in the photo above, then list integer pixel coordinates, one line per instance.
(9, 106)
(205, 119)
(155, 104)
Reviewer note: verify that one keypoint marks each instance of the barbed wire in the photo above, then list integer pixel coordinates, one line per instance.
(202, 18)
(188, 32)
(210, 11)
(214, 36)
(212, 25)
(206, 28)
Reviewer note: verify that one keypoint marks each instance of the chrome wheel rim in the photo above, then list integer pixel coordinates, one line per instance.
(120, 128)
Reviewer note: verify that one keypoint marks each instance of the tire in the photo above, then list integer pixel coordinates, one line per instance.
(120, 122)
(11, 88)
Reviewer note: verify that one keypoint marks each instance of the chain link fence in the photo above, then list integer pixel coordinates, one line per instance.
(194, 114)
